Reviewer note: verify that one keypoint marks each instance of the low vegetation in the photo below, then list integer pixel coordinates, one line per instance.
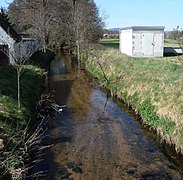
(114, 43)
(152, 86)
(15, 123)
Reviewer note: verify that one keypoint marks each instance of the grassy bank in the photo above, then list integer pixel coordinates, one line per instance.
(152, 86)
(14, 122)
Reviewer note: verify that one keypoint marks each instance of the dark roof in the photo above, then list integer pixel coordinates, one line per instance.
(5, 24)
(144, 28)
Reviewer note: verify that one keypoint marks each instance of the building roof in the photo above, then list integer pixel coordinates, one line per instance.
(144, 28)
(4, 23)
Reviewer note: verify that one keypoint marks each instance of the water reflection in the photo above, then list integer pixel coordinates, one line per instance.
(72, 87)
(58, 66)
(94, 138)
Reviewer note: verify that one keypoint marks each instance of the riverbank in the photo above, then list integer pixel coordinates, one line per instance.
(15, 123)
(151, 86)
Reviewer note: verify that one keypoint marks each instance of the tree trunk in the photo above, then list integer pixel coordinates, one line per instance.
(18, 88)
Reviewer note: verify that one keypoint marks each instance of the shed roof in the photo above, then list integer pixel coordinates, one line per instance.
(5, 24)
(144, 28)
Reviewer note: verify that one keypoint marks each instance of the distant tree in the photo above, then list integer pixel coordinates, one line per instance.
(174, 33)
(180, 41)
(88, 26)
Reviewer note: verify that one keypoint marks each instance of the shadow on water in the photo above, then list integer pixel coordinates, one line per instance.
(97, 137)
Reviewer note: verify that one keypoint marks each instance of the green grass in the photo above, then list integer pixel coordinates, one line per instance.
(30, 79)
(153, 86)
(15, 121)
(171, 43)
(114, 43)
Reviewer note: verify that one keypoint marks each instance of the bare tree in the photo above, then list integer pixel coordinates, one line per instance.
(72, 23)
(179, 38)
(87, 24)
(22, 56)
(23, 50)
(36, 18)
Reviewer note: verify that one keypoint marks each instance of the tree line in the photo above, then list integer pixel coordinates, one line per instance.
(65, 23)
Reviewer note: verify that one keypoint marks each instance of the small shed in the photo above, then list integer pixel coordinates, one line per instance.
(142, 41)
(12, 45)
(8, 37)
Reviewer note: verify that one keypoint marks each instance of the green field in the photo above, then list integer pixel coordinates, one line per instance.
(171, 43)
(114, 43)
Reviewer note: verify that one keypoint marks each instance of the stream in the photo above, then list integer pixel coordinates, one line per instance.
(94, 138)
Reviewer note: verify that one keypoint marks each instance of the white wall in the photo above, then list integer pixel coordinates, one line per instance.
(21, 50)
(25, 48)
(137, 50)
(6, 39)
(142, 43)
(126, 41)
(159, 43)
(148, 43)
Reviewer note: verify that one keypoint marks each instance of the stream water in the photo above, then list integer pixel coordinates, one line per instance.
(94, 138)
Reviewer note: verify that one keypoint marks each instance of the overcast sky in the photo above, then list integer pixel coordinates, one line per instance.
(122, 13)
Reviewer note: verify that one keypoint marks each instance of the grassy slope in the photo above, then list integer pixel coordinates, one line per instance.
(12, 120)
(153, 86)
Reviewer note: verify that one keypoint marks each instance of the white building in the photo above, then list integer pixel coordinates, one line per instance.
(12, 46)
(8, 37)
(142, 41)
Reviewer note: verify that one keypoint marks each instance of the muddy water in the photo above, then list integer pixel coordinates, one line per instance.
(93, 138)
